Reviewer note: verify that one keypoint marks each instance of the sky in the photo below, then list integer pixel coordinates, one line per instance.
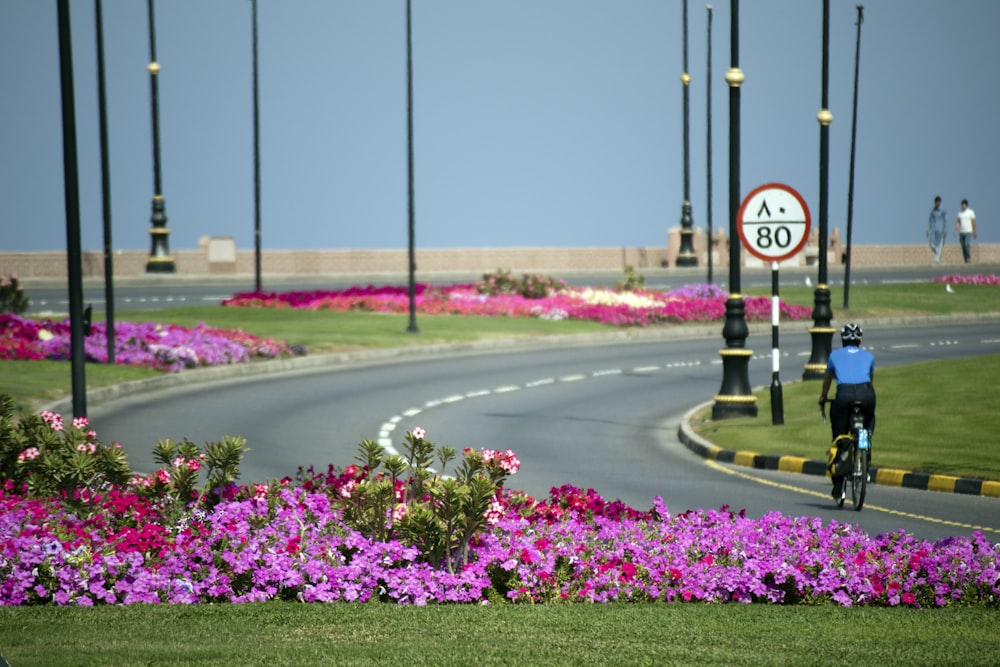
(537, 123)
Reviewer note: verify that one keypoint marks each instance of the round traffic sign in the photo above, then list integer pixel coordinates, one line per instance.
(773, 222)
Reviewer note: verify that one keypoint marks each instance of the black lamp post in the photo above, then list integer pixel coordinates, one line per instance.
(109, 283)
(708, 147)
(686, 255)
(160, 260)
(850, 186)
(72, 194)
(256, 160)
(412, 261)
(734, 398)
(821, 331)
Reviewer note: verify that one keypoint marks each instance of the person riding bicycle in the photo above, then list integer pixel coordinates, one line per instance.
(854, 368)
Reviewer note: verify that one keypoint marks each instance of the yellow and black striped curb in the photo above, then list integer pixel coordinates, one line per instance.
(797, 464)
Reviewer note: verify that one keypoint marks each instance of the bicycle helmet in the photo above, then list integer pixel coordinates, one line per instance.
(851, 332)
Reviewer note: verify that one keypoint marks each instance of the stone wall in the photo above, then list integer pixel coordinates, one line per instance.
(219, 256)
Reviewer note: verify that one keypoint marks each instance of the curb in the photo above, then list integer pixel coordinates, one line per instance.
(797, 464)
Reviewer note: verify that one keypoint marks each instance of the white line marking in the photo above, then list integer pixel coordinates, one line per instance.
(539, 383)
(610, 371)
(573, 378)
(478, 393)
(504, 390)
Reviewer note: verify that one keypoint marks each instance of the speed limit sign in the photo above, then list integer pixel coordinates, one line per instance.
(773, 222)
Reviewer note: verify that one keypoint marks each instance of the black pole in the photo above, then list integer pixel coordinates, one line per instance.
(686, 255)
(412, 328)
(850, 186)
(777, 400)
(109, 283)
(71, 187)
(160, 260)
(821, 331)
(734, 398)
(708, 149)
(256, 159)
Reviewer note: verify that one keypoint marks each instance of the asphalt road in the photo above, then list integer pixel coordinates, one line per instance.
(599, 414)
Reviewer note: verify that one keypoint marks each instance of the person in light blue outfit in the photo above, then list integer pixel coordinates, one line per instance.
(853, 367)
(937, 229)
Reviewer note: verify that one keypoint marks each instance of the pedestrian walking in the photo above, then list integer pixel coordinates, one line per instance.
(937, 229)
(965, 227)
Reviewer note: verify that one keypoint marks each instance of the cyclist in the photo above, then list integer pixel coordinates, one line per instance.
(854, 368)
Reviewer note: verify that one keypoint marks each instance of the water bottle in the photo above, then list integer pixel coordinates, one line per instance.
(863, 440)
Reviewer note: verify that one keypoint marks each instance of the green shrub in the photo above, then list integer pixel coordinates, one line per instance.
(12, 298)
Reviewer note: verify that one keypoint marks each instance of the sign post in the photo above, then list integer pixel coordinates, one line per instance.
(773, 222)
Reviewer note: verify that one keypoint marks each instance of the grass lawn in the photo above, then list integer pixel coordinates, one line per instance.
(926, 420)
(283, 633)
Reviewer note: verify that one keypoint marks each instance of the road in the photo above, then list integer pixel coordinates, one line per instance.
(166, 291)
(592, 415)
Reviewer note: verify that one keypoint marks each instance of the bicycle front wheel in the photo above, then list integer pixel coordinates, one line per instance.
(859, 477)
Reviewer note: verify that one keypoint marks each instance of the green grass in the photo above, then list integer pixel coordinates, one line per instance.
(281, 633)
(327, 331)
(930, 419)
(905, 299)
(33, 384)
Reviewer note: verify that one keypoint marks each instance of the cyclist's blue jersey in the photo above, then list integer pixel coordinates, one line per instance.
(851, 365)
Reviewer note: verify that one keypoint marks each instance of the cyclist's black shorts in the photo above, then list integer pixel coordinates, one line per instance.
(840, 409)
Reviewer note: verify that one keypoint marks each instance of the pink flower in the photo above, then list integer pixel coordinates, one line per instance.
(28, 454)
(418, 433)
(55, 421)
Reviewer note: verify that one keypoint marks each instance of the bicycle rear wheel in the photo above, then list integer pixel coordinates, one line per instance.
(859, 476)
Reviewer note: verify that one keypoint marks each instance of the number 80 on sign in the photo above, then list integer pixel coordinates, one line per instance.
(773, 222)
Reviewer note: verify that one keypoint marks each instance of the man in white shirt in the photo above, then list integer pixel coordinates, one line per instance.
(965, 227)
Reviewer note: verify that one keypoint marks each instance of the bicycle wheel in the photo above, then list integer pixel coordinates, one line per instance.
(859, 476)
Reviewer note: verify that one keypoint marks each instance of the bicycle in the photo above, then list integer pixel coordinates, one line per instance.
(855, 465)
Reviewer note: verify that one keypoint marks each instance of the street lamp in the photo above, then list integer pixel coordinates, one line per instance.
(71, 186)
(734, 398)
(686, 255)
(821, 331)
(850, 180)
(109, 283)
(256, 159)
(708, 147)
(160, 260)
(412, 261)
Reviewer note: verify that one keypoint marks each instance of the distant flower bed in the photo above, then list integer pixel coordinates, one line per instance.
(691, 303)
(976, 279)
(166, 347)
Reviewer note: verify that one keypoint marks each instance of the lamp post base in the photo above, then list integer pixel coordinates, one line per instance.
(161, 265)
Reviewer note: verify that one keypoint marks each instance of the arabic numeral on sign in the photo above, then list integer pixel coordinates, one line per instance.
(779, 237)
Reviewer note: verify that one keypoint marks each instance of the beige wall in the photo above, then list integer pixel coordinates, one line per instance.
(219, 256)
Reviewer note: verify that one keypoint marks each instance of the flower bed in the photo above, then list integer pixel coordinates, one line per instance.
(167, 347)
(392, 530)
(573, 547)
(691, 303)
(975, 279)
